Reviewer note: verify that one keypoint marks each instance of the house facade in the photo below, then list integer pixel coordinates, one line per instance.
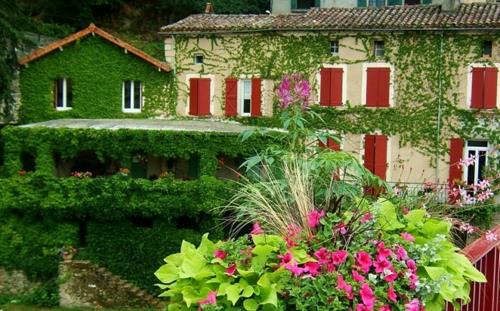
(410, 89)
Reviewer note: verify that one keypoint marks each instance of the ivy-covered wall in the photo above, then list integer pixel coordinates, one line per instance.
(430, 78)
(97, 69)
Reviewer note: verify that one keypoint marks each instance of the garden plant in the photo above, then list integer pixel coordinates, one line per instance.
(314, 230)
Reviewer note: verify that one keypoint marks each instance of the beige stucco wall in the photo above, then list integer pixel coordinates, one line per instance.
(404, 162)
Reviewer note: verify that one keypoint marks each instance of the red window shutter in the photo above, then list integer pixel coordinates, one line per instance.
(193, 97)
(380, 163)
(332, 145)
(256, 97)
(384, 80)
(203, 97)
(369, 160)
(336, 87)
(477, 93)
(326, 84)
(456, 152)
(490, 88)
(372, 87)
(231, 96)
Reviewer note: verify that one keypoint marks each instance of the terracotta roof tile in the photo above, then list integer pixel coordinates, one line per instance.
(93, 29)
(466, 16)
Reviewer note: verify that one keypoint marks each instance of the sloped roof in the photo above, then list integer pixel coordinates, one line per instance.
(425, 17)
(93, 29)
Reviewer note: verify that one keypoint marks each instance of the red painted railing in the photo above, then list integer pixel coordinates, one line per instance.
(485, 255)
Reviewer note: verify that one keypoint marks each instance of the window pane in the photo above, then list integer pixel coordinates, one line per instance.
(137, 94)
(477, 143)
(487, 48)
(128, 89)
(305, 4)
(471, 168)
(246, 106)
(334, 47)
(482, 164)
(69, 93)
(59, 92)
(247, 96)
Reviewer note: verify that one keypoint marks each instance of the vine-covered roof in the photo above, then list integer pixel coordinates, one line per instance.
(421, 17)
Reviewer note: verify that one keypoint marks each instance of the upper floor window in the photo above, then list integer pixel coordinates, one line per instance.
(198, 59)
(487, 48)
(305, 4)
(376, 3)
(63, 94)
(331, 87)
(483, 87)
(378, 48)
(378, 87)
(132, 96)
(334, 47)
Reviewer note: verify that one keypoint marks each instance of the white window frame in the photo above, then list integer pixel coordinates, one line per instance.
(195, 59)
(132, 108)
(476, 150)
(469, 81)
(344, 81)
(365, 81)
(375, 48)
(241, 86)
(337, 47)
(65, 95)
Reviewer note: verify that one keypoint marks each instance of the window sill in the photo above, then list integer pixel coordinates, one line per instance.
(63, 108)
(131, 111)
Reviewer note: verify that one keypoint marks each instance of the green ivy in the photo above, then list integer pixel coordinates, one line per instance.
(97, 69)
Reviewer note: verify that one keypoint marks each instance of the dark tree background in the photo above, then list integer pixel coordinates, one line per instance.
(58, 18)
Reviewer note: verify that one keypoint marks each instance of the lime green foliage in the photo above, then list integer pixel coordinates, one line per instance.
(426, 79)
(439, 260)
(97, 69)
(191, 274)
(121, 145)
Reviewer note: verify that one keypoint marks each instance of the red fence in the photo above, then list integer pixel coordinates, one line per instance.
(485, 255)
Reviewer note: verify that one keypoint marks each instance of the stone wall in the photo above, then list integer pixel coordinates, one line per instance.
(87, 285)
(15, 283)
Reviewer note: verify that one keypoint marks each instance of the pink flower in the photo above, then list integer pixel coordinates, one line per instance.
(408, 237)
(382, 252)
(230, 271)
(293, 231)
(339, 257)
(367, 296)
(322, 255)
(361, 307)
(256, 229)
(381, 265)
(385, 308)
(413, 305)
(210, 300)
(366, 218)
(401, 253)
(391, 295)
(341, 228)
(285, 258)
(490, 236)
(413, 278)
(363, 261)
(220, 254)
(390, 275)
(412, 266)
(313, 268)
(314, 217)
(294, 268)
(342, 285)
(357, 277)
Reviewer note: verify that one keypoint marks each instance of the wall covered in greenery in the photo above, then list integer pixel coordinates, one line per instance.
(97, 69)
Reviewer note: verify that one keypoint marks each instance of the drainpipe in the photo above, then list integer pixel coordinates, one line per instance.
(440, 102)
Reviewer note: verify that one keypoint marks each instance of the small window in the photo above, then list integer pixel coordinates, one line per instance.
(487, 48)
(412, 2)
(477, 151)
(378, 48)
(246, 98)
(132, 96)
(304, 4)
(334, 47)
(63, 94)
(376, 3)
(198, 59)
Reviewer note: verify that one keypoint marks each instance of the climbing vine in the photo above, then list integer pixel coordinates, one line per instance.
(428, 84)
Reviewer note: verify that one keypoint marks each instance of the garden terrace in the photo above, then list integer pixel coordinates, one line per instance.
(145, 148)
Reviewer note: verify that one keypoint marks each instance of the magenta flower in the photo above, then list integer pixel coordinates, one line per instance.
(391, 294)
(408, 237)
(343, 286)
(294, 90)
(390, 275)
(256, 229)
(314, 217)
(285, 258)
(385, 308)
(413, 305)
(361, 307)
(357, 277)
(401, 253)
(364, 261)
(382, 252)
(313, 268)
(367, 296)
(294, 268)
(381, 265)
(412, 266)
(413, 278)
(366, 218)
(341, 228)
(230, 271)
(210, 300)
(220, 254)
(339, 257)
(322, 255)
